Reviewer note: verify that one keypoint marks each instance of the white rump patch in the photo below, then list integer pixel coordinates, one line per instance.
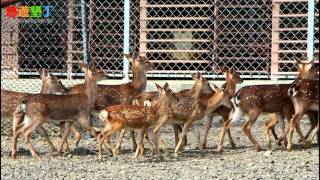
(147, 103)
(26, 121)
(103, 115)
(237, 117)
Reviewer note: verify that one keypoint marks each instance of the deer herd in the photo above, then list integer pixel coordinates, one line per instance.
(128, 107)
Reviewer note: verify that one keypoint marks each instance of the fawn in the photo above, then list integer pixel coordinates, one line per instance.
(305, 97)
(251, 101)
(42, 108)
(128, 116)
(232, 78)
(125, 93)
(149, 98)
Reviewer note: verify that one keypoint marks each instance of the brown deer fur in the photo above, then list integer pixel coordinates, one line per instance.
(120, 117)
(305, 97)
(58, 108)
(253, 100)
(125, 93)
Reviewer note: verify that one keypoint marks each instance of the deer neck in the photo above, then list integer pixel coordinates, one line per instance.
(231, 87)
(139, 80)
(91, 91)
(214, 101)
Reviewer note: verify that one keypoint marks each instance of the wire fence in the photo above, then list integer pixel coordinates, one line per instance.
(259, 38)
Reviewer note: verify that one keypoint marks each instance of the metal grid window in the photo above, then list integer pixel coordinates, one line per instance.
(260, 39)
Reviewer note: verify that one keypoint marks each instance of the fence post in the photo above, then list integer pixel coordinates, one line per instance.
(310, 43)
(275, 40)
(143, 27)
(126, 39)
(84, 32)
(70, 38)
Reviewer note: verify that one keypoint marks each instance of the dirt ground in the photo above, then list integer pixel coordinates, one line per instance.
(243, 162)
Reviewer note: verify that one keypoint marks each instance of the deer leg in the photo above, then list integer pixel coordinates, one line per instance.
(312, 134)
(85, 122)
(76, 134)
(176, 134)
(67, 126)
(134, 143)
(27, 134)
(225, 128)
(62, 129)
(293, 123)
(43, 132)
(253, 115)
(206, 131)
(119, 141)
(273, 120)
(183, 135)
(152, 148)
(196, 132)
(140, 147)
(16, 130)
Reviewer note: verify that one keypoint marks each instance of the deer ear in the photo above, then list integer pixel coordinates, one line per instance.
(218, 69)
(158, 87)
(44, 73)
(142, 57)
(166, 86)
(83, 67)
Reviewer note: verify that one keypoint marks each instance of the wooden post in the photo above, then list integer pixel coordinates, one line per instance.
(275, 40)
(143, 26)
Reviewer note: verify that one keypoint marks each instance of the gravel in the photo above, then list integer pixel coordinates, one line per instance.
(243, 162)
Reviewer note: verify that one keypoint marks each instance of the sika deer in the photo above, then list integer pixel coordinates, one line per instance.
(53, 85)
(186, 114)
(125, 93)
(58, 108)
(305, 97)
(120, 117)
(11, 99)
(232, 78)
(307, 71)
(149, 98)
(253, 100)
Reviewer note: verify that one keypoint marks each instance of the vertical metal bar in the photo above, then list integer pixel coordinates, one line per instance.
(143, 25)
(126, 38)
(310, 30)
(275, 40)
(70, 38)
(84, 32)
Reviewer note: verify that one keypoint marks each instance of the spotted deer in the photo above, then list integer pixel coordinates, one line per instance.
(149, 98)
(305, 97)
(125, 93)
(53, 85)
(11, 99)
(137, 117)
(251, 101)
(186, 113)
(232, 78)
(42, 108)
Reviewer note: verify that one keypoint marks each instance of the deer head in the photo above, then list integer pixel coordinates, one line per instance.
(139, 62)
(51, 84)
(206, 88)
(220, 98)
(307, 70)
(91, 73)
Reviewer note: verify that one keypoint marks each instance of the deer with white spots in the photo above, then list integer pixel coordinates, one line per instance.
(11, 99)
(251, 101)
(124, 93)
(41, 108)
(305, 97)
(232, 78)
(137, 117)
(149, 98)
